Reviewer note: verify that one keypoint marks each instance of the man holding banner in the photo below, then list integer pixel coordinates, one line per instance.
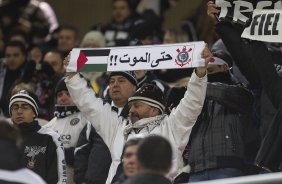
(257, 64)
(145, 114)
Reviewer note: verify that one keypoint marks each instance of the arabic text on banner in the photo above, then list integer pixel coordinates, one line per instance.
(151, 57)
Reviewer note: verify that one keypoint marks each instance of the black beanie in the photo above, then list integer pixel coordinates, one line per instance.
(151, 95)
(61, 85)
(25, 96)
(129, 75)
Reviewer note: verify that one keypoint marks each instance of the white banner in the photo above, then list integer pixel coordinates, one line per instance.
(239, 11)
(151, 57)
(184, 55)
(266, 26)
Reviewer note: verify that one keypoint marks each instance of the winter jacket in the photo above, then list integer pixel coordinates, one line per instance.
(11, 169)
(217, 138)
(269, 154)
(116, 130)
(43, 152)
(69, 129)
(92, 157)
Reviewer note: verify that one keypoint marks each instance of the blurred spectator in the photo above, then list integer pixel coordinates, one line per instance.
(123, 17)
(68, 39)
(35, 53)
(19, 35)
(28, 15)
(42, 78)
(154, 155)
(129, 160)
(11, 169)
(93, 39)
(174, 36)
(42, 150)
(68, 123)
(55, 59)
(12, 68)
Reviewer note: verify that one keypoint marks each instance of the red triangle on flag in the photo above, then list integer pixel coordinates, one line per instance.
(82, 59)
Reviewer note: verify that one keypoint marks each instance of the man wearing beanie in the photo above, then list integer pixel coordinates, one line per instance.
(69, 122)
(145, 115)
(92, 166)
(42, 149)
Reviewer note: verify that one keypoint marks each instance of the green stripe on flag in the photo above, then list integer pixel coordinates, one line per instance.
(94, 68)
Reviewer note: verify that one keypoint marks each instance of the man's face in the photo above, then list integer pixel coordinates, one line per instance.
(64, 98)
(55, 60)
(139, 110)
(35, 54)
(21, 112)
(120, 89)
(129, 161)
(14, 57)
(67, 40)
(121, 11)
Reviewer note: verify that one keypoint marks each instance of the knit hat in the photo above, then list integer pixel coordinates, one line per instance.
(151, 95)
(129, 75)
(24, 96)
(221, 58)
(61, 85)
(93, 37)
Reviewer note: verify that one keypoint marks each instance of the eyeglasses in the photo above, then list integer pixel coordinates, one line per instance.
(23, 107)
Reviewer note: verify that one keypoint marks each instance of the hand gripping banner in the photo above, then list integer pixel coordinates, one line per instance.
(150, 57)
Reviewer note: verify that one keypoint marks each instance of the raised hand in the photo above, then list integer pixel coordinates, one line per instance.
(207, 55)
(212, 10)
(66, 63)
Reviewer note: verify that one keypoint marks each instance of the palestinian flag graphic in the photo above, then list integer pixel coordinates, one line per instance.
(90, 60)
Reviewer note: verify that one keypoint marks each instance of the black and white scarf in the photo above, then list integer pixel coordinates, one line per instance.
(148, 123)
(62, 111)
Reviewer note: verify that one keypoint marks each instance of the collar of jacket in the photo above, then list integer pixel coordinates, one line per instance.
(27, 128)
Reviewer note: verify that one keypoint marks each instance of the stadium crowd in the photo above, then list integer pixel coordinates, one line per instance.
(220, 120)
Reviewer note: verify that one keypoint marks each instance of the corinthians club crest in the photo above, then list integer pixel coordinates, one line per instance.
(32, 151)
(183, 57)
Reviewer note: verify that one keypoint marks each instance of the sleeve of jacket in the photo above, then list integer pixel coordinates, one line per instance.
(271, 82)
(103, 119)
(235, 97)
(183, 117)
(231, 38)
(82, 152)
(56, 171)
